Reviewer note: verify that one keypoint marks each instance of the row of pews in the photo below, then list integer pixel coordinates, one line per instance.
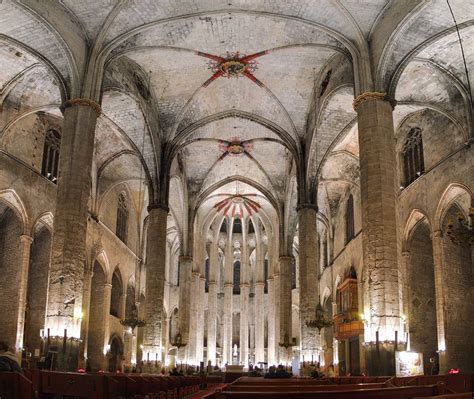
(49, 384)
(446, 386)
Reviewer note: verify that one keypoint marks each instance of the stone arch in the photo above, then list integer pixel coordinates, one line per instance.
(420, 286)
(12, 200)
(455, 259)
(115, 353)
(450, 194)
(416, 216)
(11, 248)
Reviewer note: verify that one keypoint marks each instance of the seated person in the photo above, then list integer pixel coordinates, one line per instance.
(8, 360)
(281, 372)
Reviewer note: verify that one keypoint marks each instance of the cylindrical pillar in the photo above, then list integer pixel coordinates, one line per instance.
(212, 304)
(185, 276)
(68, 253)
(155, 281)
(379, 224)
(286, 263)
(23, 288)
(259, 302)
(308, 277)
(440, 281)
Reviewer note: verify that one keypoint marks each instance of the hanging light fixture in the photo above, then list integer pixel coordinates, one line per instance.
(286, 342)
(321, 319)
(463, 231)
(133, 321)
(178, 341)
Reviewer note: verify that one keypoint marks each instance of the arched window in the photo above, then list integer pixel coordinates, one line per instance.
(236, 289)
(50, 165)
(265, 276)
(413, 162)
(224, 226)
(237, 226)
(206, 275)
(350, 219)
(122, 218)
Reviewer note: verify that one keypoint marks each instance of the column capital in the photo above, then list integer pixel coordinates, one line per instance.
(108, 285)
(26, 239)
(405, 254)
(260, 284)
(437, 233)
(286, 258)
(373, 95)
(185, 258)
(86, 102)
(243, 285)
(227, 285)
(196, 274)
(307, 206)
(151, 207)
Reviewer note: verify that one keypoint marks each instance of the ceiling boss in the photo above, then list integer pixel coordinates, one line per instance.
(232, 65)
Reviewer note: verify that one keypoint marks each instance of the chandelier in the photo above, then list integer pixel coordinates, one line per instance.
(178, 341)
(286, 342)
(462, 232)
(321, 320)
(133, 321)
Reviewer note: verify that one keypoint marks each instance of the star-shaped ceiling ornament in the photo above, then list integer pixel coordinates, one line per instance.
(232, 65)
(237, 205)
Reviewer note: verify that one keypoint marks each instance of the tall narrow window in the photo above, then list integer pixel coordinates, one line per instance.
(350, 219)
(122, 218)
(206, 275)
(50, 165)
(413, 162)
(265, 276)
(236, 289)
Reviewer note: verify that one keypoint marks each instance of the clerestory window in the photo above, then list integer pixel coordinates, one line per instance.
(413, 162)
(50, 165)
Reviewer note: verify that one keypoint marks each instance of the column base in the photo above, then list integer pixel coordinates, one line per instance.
(380, 358)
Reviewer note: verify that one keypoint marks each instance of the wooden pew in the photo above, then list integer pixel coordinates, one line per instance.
(303, 388)
(464, 395)
(15, 386)
(76, 385)
(386, 393)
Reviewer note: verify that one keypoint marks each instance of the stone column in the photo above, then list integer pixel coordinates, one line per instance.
(68, 252)
(439, 275)
(86, 306)
(155, 281)
(212, 304)
(271, 322)
(107, 300)
(308, 277)
(26, 242)
(379, 224)
(184, 308)
(200, 320)
(276, 313)
(228, 295)
(244, 299)
(259, 303)
(285, 308)
(405, 295)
